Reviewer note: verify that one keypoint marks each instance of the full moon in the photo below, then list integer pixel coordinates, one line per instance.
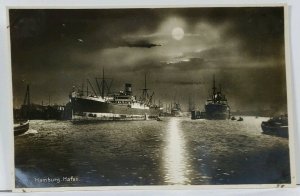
(177, 33)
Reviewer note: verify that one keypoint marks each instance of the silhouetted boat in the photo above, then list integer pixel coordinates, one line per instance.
(233, 118)
(240, 119)
(197, 115)
(21, 125)
(217, 107)
(21, 128)
(276, 126)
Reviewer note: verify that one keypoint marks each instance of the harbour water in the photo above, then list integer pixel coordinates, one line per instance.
(168, 152)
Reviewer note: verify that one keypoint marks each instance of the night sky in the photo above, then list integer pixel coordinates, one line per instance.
(179, 49)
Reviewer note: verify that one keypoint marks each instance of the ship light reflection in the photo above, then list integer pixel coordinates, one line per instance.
(175, 156)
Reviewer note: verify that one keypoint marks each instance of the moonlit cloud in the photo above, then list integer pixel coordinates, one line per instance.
(242, 47)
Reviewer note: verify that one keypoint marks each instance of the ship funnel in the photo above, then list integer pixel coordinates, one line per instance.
(128, 90)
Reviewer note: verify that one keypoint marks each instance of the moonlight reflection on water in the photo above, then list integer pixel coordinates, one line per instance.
(174, 151)
(175, 162)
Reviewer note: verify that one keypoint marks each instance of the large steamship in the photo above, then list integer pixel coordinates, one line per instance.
(216, 107)
(123, 105)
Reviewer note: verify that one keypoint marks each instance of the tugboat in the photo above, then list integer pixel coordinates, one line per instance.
(216, 106)
(276, 126)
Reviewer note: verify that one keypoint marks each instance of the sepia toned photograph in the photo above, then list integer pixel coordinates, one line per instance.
(150, 96)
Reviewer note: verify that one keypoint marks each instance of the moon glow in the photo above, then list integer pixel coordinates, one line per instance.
(177, 33)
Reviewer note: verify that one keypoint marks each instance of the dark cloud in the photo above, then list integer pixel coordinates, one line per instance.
(138, 44)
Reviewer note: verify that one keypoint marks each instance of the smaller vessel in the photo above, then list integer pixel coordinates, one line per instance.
(21, 128)
(197, 115)
(176, 110)
(240, 119)
(233, 118)
(276, 126)
(21, 124)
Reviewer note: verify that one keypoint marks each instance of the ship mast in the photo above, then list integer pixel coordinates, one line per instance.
(25, 108)
(145, 90)
(104, 84)
(102, 92)
(214, 89)
(89, 83)
(27, 96)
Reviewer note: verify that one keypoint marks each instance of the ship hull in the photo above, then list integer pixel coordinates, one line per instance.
(217, 111)
(81, 106)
